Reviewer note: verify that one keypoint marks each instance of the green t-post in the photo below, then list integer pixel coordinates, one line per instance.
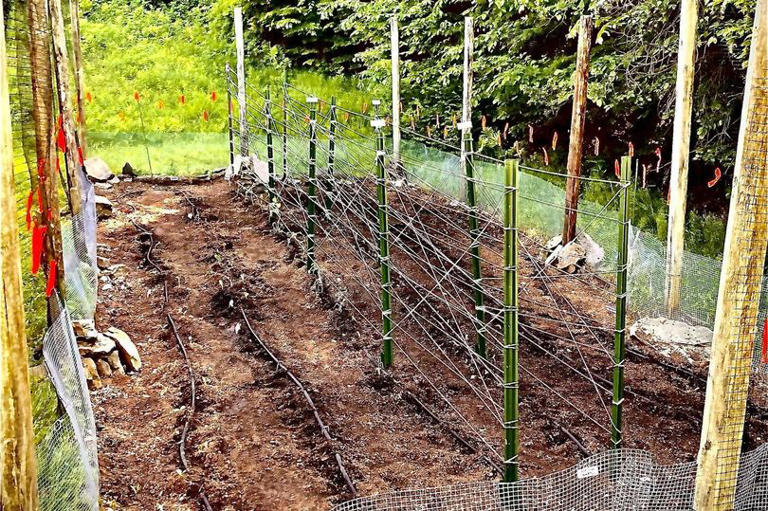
(312, 188)
(384, 262)
(511, 336)
(620, 332)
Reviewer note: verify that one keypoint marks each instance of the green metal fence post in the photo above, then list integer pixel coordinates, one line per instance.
(386, 283)
(285, 124)
(270, 152)
(312, 188)
(331, 156)
(229, 121)
(467, 162)
(511, 340)
(620, 333)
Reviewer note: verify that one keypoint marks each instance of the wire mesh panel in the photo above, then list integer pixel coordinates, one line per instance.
(69, 470)
(624, 480)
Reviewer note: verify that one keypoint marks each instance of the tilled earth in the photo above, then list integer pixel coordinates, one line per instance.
(254, 443)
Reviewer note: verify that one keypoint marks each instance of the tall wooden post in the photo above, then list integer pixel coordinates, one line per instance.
(468, 169)
(241, 81)
(18, 465)
(61, 60)
(47, 179)
(738, 300)
(681, 147)
(77, 54)
(395, 50)
(578, 115)
(511, 326)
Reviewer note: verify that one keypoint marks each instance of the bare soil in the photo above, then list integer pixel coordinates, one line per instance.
(254, 443)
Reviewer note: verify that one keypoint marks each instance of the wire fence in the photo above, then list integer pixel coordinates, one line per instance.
(324, 202)
(64, 426)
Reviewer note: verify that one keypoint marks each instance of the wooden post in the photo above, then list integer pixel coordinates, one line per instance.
(395, 50)
(468, 169)
(578, 115)
(77, 55)
(46, 178)
(241, 81)
(18, 465)
(681, 147)
(738, 300)
(511, 334)
(61, 60)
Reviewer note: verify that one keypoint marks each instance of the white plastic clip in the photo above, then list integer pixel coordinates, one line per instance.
(311, 99)
(464, 126)
(377, 123)
(376, 102)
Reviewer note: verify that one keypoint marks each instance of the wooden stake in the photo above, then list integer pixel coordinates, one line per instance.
(578, 115)
(77, 55)
(738, 300)
(45, 147)
(61, 60)
(681, 147)
(395, 90)
(241, 81)
(18, 465)
(468, 169)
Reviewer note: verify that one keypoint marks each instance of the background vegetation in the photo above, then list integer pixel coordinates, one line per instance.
(524, 60)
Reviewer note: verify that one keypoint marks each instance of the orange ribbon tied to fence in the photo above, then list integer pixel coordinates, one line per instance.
(136, 96)
(61, 139)
(718, 174)
(205, 115)
(617, 168)
(51, 277)
(38, 235)
(183, 99)
(30, 199)
(213, 96)
(88, 97)
(765, 342)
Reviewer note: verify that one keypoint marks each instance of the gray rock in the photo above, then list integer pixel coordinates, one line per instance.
(91, 373)
(101, 347)
(102, 262)
(114, 363)
(104, 207)
(97, 169)
(129, 354)
(84, 328)
(103, 368)
(571, 257)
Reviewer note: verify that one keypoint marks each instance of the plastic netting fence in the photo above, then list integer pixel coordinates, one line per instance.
(625, 480)
(64, 427)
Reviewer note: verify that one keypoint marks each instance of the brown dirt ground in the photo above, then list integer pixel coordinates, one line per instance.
(253, 443)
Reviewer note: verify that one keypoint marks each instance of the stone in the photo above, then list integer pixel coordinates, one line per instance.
(129, 354)
(128, 170)
(104, 207)
(102, 262)
(101, 347)
(102, 186)
(97, 169)
(571, 257)
(84, 328)
(115, 180)
(103, 368)
(91, 373)
(114, 363)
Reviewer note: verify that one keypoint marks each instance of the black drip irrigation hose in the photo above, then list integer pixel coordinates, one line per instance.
(192, 409)
(310, 402)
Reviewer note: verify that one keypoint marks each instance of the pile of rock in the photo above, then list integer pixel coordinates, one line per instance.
(105, 353)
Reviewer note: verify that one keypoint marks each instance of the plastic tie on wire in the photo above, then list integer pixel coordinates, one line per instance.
(464, 126)
(376, 102)
(618, 403)
(312, 99)
(30, 199)
(38, 235)
(377, 123)
(765, 342)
